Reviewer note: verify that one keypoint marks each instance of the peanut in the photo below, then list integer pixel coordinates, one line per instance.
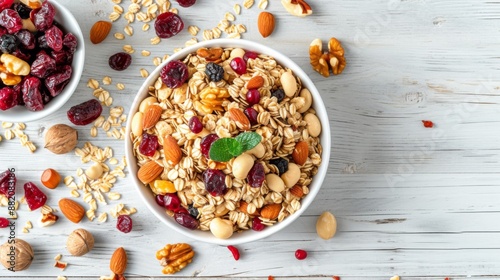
(306, 94)
(146, 102)
(257, 151)
(242, 165)
(291, 176)
(289, 83)
(136, 125)
(313, 124)
(221, 228)
(94, 172)
(275, 183)
(237, 52)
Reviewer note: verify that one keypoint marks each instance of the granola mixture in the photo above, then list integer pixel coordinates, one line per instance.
(281, 126)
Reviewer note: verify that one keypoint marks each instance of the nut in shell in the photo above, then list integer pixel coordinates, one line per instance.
(80, 242)
(16, 256)
(61, 139)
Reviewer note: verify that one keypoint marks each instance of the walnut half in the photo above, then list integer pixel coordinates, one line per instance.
(322, 62)
(175, 257)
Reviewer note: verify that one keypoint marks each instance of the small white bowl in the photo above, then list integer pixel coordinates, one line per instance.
(248, 235)
(20, 113)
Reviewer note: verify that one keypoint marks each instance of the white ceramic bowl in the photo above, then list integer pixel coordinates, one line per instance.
(249, 235)
(20, 113)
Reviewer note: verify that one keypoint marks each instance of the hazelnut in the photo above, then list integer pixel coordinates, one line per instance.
(16, 254)
(61, 139)
(80, 242)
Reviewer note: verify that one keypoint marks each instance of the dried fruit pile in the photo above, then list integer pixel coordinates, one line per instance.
(35, 64)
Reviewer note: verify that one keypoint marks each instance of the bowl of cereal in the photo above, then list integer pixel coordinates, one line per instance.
(42, 59)
(228, 141)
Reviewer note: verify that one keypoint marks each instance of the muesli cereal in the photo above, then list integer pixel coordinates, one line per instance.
(224, 146)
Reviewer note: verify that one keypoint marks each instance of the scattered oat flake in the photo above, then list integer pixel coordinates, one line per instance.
(58, 257)
(428, 124)
(145, 53)
(248, 4)
(193, 30)
(262, 4)
(155, 40)
(237, 9)
(120, 86)
(119, 36)
(395, 277)
(61, 278)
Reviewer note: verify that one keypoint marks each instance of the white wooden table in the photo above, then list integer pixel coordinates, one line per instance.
(411, 201)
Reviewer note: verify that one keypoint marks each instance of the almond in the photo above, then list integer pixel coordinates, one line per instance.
(149, 172)
(300, 153)
(118, 261)
(243, 207)
(270, 211)
(151, 116)
(71, 210)
(255, 82)
(99, 31)
(266, 24)
(171, 149)
(239, 118)
(297, 191)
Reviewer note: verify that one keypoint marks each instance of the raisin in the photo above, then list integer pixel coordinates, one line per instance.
(8, 98)
(124, 223)
(11, 20)
(279, 94)
(168, 24)
(43, 65)
(56, 82)
(5, 4)
(149, 144)
(35, 198)
(186, 220)
(215, 182)
(193, 211)
(206, 143)
(256, 175)
(54, 37)
(214, 72)
(186, 3)
(85, 113)
(281, 164)
(120, 61)
(26, 38)
(23, 10)
(32, 93)
(174, 74)
(8, 183)
(8, 43)
(195, 125)
(43, 18)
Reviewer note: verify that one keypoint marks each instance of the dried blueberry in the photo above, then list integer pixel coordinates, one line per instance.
(8, 43)
(281, 164)
(279, 94)
(23, 10)
(193, 211)
(214, 72)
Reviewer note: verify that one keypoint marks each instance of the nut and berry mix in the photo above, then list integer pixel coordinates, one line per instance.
(36, 54)
(227, 140)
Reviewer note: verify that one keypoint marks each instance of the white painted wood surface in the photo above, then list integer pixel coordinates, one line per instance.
(416, 202)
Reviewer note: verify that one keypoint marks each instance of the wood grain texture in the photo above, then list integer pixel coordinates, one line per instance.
(416, 202)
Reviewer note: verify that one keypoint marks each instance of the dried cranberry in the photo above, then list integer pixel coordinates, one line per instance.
(26, 38)
(215, 72)
(168, 24)
(54, 37)
(238, 65)
(24, 55)
(56, 82)
(256, 175)
(85, 113)
(181, 210)
(186, 220)
(11, 20)
(215, 182)
(193, 211)
(186, 3)
(62, 57)
(4, 222)
(172, 202)
(234, 251)
(279, 94)
(8, 43)
(23, 10)
(195, 125)
(34, 196)
(32, 93)
(120, 61)
(257, 224)
(5, 4)
(70, 42)
(8, 98)
(124, 223)
(253, 96)
(252, 115)
(2, 31)
(174, 74)
(43, 18)
(160, 200)
(46, 97)
(206, 143)
(8, 183)
(43, 65)
(281, 164)
(149, 144)
(300, 254)
(250, 55)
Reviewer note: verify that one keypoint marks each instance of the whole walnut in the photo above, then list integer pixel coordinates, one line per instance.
(61, 138)
(80, 242)
(16, 254)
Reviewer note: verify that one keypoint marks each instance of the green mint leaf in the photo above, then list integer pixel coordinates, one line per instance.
(224, 149)
(248, 140)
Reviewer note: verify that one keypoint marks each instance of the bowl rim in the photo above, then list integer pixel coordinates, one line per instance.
(317, 181)
(70, 22)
